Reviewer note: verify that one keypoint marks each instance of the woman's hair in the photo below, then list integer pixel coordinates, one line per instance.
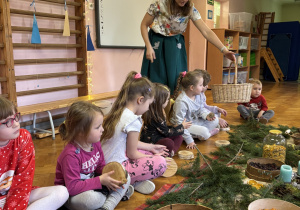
(133, 87)
(255, 81)
(185, 80)
(78, 120)
(7, 108)
(174, 8)
(156, 112)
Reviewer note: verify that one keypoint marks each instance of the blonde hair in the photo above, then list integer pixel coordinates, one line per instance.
(189, 79)
(255, 81)
(7, 108)
(131, 89)
(174, 8)
(78, 120)
(156, 112)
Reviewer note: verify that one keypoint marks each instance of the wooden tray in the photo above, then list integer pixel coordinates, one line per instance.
(178, 206)
(260, 174)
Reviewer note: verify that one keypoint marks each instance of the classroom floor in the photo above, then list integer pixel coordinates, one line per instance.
(283, 98)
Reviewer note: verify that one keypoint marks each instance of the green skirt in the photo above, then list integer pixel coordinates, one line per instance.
(171, 59)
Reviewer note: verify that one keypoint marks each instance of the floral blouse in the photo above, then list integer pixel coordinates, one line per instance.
(158, 130)
(167, 24)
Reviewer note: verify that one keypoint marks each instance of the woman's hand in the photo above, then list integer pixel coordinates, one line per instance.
(186, 124)
(150, 54)
(158, 149)
(230, 55)
(109, 182)
(191, 145)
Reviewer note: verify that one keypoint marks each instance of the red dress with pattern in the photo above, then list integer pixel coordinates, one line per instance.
(17, 165)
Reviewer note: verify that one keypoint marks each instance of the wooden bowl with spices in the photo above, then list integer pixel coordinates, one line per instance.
(263, 169)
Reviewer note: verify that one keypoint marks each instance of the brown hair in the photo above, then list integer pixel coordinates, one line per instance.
(7, 108)
(206, 78)
(190, 78)
(255, 81)
(79, 120)
(131, 89)
(156, 112)
(174, 9)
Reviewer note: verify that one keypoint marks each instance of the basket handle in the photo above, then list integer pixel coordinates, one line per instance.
(235, 75)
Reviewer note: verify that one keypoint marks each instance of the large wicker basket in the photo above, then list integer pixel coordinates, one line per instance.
(232, 93)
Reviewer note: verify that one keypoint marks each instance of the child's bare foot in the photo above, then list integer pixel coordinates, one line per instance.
(223, 123)
(214, 131)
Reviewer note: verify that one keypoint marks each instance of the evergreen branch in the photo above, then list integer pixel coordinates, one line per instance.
(236, 154)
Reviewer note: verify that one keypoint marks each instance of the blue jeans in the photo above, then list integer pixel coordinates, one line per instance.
(245, 113)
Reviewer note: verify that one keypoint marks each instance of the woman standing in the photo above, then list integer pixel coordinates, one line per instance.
(165, 55)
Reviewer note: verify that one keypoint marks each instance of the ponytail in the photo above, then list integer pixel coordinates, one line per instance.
(134, 86)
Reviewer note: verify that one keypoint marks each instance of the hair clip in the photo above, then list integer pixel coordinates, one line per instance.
(149, 89)
(137, 76)
(183, 73)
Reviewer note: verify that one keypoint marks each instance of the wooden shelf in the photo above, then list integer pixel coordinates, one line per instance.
(215, 58)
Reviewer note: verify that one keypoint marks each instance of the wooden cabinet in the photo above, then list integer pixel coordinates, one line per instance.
(250, 50)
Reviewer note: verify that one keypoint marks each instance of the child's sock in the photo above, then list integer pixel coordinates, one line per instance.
(214, 131)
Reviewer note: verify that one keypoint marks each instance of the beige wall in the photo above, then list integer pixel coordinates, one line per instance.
(112, 65)
(290, 12)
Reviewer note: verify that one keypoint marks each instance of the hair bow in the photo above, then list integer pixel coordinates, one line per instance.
(138, 75)
(183, 73)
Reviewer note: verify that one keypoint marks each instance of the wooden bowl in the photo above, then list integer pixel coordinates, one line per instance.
(260, 174)
(178, 206)
(268, 203)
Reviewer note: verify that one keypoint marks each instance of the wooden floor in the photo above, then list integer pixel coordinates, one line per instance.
(283, 98)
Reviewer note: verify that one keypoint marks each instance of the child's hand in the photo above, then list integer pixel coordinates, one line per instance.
(186, 124)
(222, 111)
(211, 116)
(109, 182)
(158, 149)
(191, 145)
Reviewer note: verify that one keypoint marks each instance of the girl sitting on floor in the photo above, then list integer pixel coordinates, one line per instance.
(188, 106)
(155, 129)
(120, 139)
(214, 109)
(79, 166)
(17, 166)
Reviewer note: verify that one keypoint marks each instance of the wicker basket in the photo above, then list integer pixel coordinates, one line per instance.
(232, 93)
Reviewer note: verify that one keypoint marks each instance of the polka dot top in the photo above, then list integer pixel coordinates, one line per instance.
(17, 165)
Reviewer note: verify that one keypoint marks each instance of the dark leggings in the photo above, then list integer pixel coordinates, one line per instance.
(172, 143)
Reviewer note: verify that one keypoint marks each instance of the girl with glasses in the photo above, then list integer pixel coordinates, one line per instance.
(17, 165)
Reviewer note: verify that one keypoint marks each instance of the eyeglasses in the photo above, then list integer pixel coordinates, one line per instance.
(9, 122)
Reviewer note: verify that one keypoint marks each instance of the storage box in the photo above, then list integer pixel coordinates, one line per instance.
(242, 77)
(243, 42)
(244, 56)
(252, 59)
(240, 21)
(225, 78)
(254, 43)
(228, 42)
